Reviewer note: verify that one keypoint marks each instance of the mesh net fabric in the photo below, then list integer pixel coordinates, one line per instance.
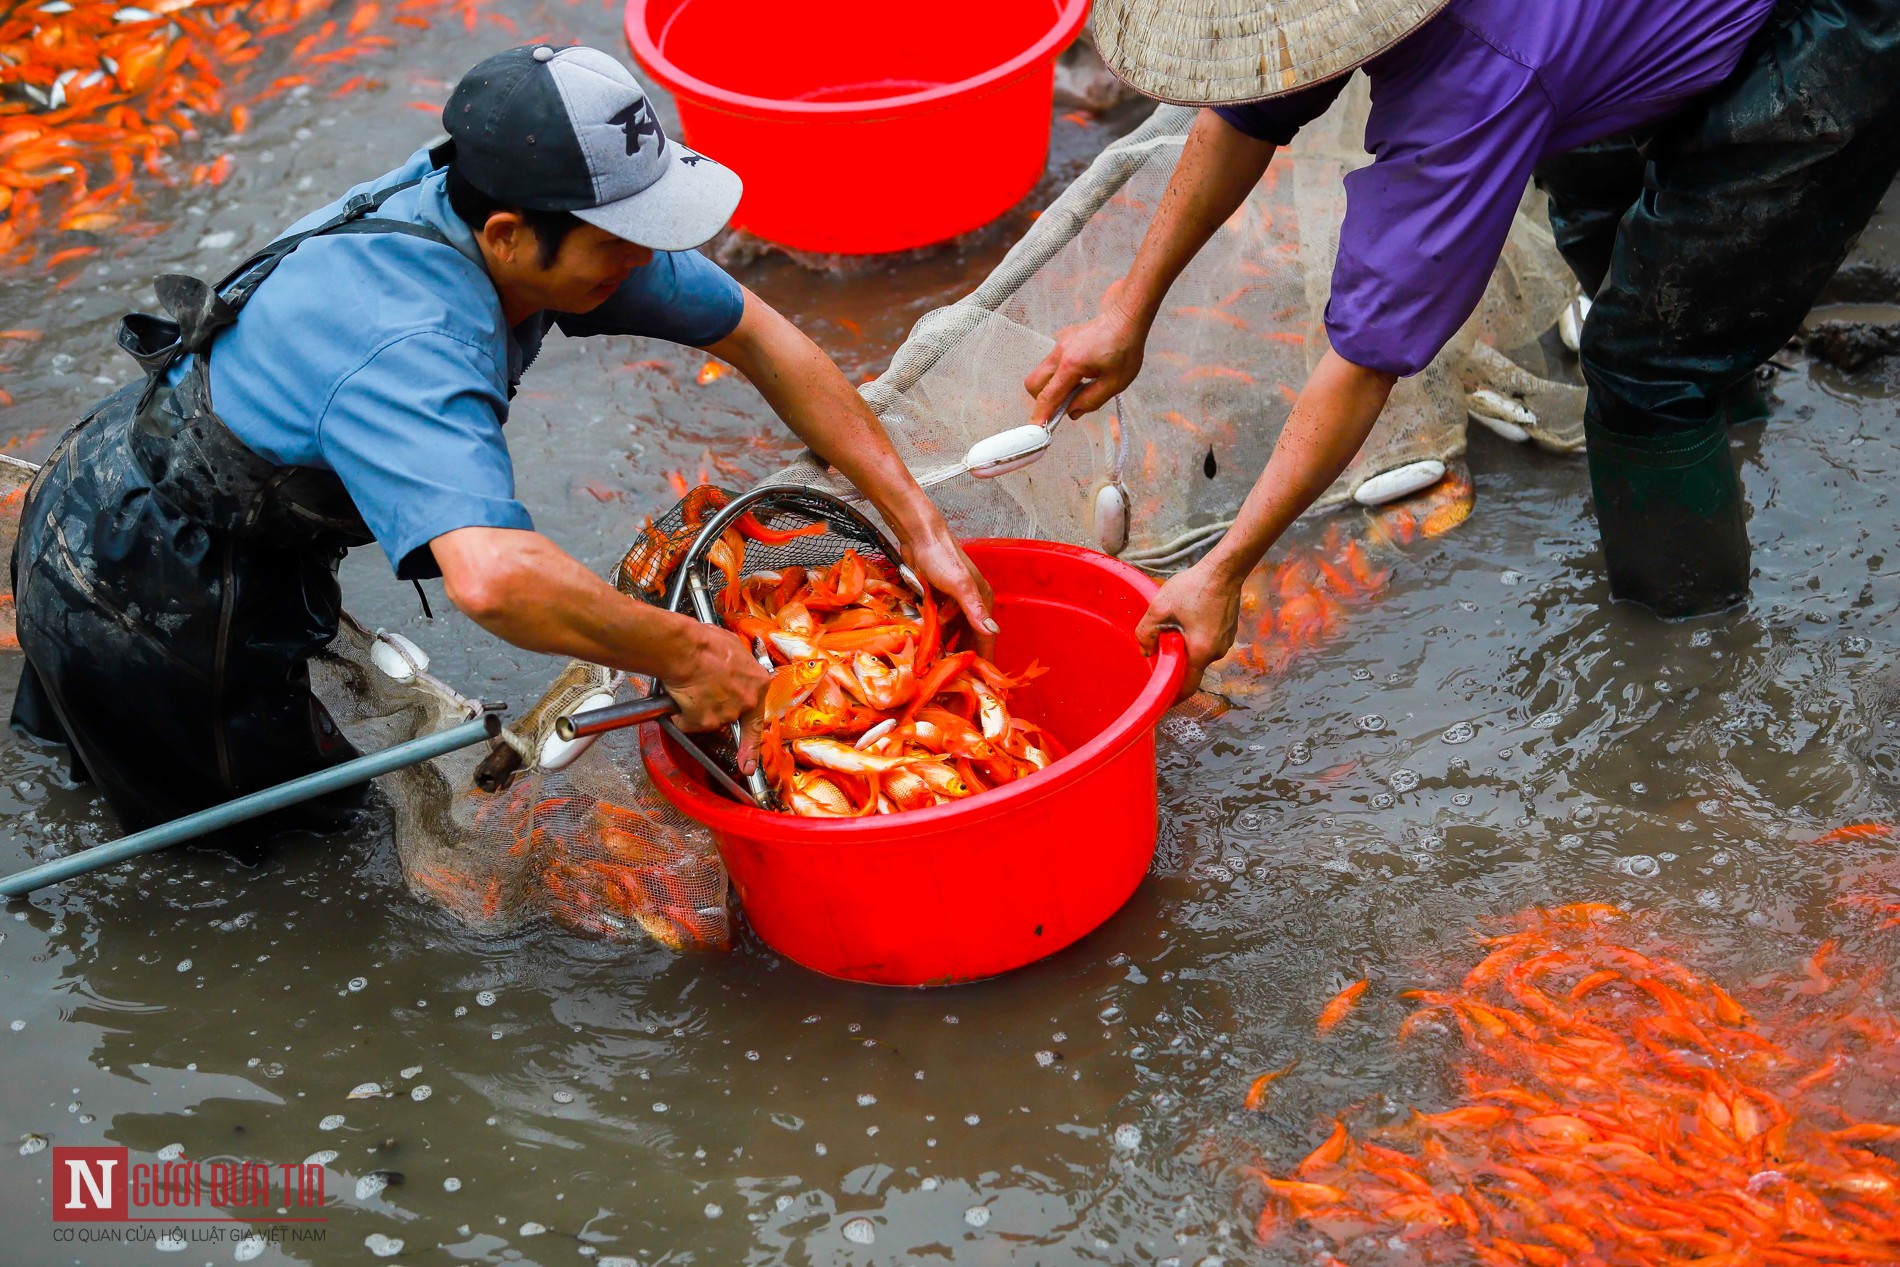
(593, 846)
(1241, 329)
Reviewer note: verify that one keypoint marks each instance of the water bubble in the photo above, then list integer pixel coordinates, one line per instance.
(1299, 752)
(322, 1157)
(659, 1106)
(1701, 638)
(366, 1091)
(1569, 840)
(421, 1092)
(32, 1142)
(184, 965)
(171, 1152)
(860, 1232)
(1404, 780)
(382, 1246)
(1855, 645)
(971, 1119)
(86, 1119)
(250, 1247)
(1045, 1058)
(170, 1243)
(371, 1185)
(714, 1210)
(1640, 865)
(1544, 721)
(1109, 1014)
(949, 1020)
(752, 1055)
(451, 1184)
(461, 1011)
(356, 983)
(531, 1228)
(486, 998)
(1459, 732)
(866, 1100)
(411, 1072)
(1127, 1137)
(977, 1215)
(1461, 798)
(783, 1203)
(1371, 721)
(1510, 576)
(17, 1026)
(564, 1097)
(331, 1122)
(1382, 800)
(1362, 675)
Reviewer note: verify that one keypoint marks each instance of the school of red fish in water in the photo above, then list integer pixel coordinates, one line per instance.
(1305, 598)
(99, 100)
(1619, 1109)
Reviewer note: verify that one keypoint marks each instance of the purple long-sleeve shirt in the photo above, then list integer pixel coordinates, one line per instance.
(1462, 109)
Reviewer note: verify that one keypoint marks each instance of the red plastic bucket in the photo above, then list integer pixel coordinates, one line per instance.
(971, 889)
(863, 126)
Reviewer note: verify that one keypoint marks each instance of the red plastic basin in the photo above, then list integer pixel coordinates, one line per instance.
(975, 888)
(863, 126)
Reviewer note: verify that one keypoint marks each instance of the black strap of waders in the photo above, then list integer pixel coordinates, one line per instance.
(200, 310)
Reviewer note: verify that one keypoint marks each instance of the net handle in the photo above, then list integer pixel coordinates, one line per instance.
(691, 577)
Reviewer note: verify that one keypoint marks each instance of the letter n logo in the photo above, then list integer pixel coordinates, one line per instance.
(89, 1185)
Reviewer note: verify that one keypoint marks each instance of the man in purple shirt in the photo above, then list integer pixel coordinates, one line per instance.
(1709, 164)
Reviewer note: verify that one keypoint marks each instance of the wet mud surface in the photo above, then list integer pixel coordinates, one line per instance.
(1488, 734)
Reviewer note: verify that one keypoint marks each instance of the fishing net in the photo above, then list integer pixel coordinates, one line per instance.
(1242, 328)
(579, 836)
(576, 833)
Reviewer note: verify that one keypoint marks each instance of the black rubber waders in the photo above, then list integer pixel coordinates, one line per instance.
(1672, 519)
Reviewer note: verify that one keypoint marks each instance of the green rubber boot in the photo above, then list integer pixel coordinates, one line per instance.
(1672, 519)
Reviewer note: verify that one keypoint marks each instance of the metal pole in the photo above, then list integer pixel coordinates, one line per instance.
(598, 721)
(256, 804)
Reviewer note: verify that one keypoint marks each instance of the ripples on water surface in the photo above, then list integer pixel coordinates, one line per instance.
(1485, 736)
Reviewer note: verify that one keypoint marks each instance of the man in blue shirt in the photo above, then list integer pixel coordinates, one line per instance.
(176, 566)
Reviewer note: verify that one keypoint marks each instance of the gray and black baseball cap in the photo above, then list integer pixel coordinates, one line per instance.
(570, 129)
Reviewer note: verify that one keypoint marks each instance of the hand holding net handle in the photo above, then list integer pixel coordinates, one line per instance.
(598, 721)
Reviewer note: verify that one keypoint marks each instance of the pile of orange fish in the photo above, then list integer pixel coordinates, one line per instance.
(873, 709)
(1304, 599)
(1622, 1109)
(96, 93)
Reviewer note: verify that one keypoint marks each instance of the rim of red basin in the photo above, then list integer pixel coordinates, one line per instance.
(1168, 665)
(1070, 16)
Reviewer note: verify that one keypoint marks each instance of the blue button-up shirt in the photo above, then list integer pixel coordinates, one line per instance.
(386, 359)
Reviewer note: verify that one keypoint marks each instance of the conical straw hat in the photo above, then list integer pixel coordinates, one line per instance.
(1218, 52)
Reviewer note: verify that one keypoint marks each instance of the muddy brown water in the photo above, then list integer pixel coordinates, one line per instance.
(1488, 735)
